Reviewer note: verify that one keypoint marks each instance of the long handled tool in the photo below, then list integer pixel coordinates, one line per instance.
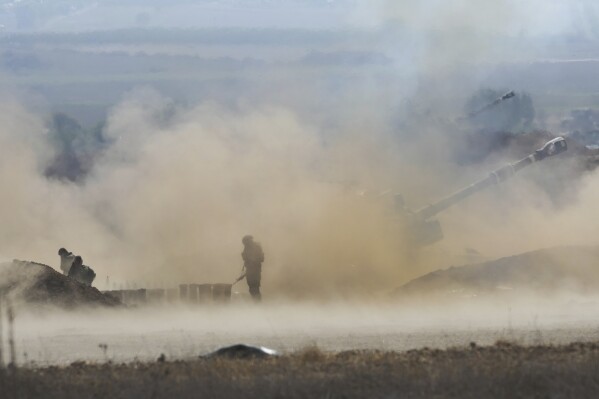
(239, 279)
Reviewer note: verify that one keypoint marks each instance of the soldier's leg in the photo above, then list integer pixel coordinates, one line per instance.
(255, 292)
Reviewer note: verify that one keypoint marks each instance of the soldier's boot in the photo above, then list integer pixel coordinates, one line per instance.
(255, 293)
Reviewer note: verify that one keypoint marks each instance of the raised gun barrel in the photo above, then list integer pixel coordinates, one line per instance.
(506, 96)
(427, 231)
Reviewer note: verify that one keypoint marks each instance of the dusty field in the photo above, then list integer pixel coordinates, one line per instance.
(46, 338)
(503, 370)
(384, 350)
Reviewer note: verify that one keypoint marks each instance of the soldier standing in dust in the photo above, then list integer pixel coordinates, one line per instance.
(66, 260)
(252, 264)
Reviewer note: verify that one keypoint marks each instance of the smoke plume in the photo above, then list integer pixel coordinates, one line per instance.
(169, 201)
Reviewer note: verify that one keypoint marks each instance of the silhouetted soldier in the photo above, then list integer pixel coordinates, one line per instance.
(81, 273)
(66, 260)
(252, 263)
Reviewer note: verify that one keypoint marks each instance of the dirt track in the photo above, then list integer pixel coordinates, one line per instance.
(503, 370)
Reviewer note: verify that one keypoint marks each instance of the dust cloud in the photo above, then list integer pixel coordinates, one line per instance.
(58, 338)
(170, 199)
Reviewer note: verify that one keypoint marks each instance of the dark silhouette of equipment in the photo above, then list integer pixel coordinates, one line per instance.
(239, 278)
(497, 101)
(425, 230)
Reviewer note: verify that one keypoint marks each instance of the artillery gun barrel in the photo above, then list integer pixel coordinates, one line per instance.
(506, 96)
(551, 148)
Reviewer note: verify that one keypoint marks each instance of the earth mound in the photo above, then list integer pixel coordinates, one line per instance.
(39, 284)
(545, 271)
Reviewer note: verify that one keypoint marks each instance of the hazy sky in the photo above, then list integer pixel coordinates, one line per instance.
(512, 17)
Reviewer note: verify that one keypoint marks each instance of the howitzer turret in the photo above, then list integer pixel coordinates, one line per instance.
(424, 230)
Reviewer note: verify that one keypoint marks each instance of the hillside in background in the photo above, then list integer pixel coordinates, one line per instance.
(547, 271)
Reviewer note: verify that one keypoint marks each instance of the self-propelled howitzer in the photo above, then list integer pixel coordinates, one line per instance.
(425, 230)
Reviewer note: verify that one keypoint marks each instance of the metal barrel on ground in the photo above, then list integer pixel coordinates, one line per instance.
(193, 293)
(221, 293)
(204, 293)
(183, 292)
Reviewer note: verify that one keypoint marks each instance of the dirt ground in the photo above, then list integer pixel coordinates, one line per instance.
(59, 338)
(39, 284)
(503, 370)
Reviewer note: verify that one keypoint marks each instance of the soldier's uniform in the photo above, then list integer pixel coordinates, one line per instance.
(253, 256)
(66, 260)
(81, 273)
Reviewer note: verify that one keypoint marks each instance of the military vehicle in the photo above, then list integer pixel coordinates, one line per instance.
(425, 230)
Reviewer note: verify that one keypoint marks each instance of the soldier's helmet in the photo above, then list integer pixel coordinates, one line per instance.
(62, 251)
(247, 239)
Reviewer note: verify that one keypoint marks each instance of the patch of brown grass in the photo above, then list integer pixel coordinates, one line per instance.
(504, 370)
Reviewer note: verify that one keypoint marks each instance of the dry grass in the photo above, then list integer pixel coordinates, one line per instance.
(500, 371)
